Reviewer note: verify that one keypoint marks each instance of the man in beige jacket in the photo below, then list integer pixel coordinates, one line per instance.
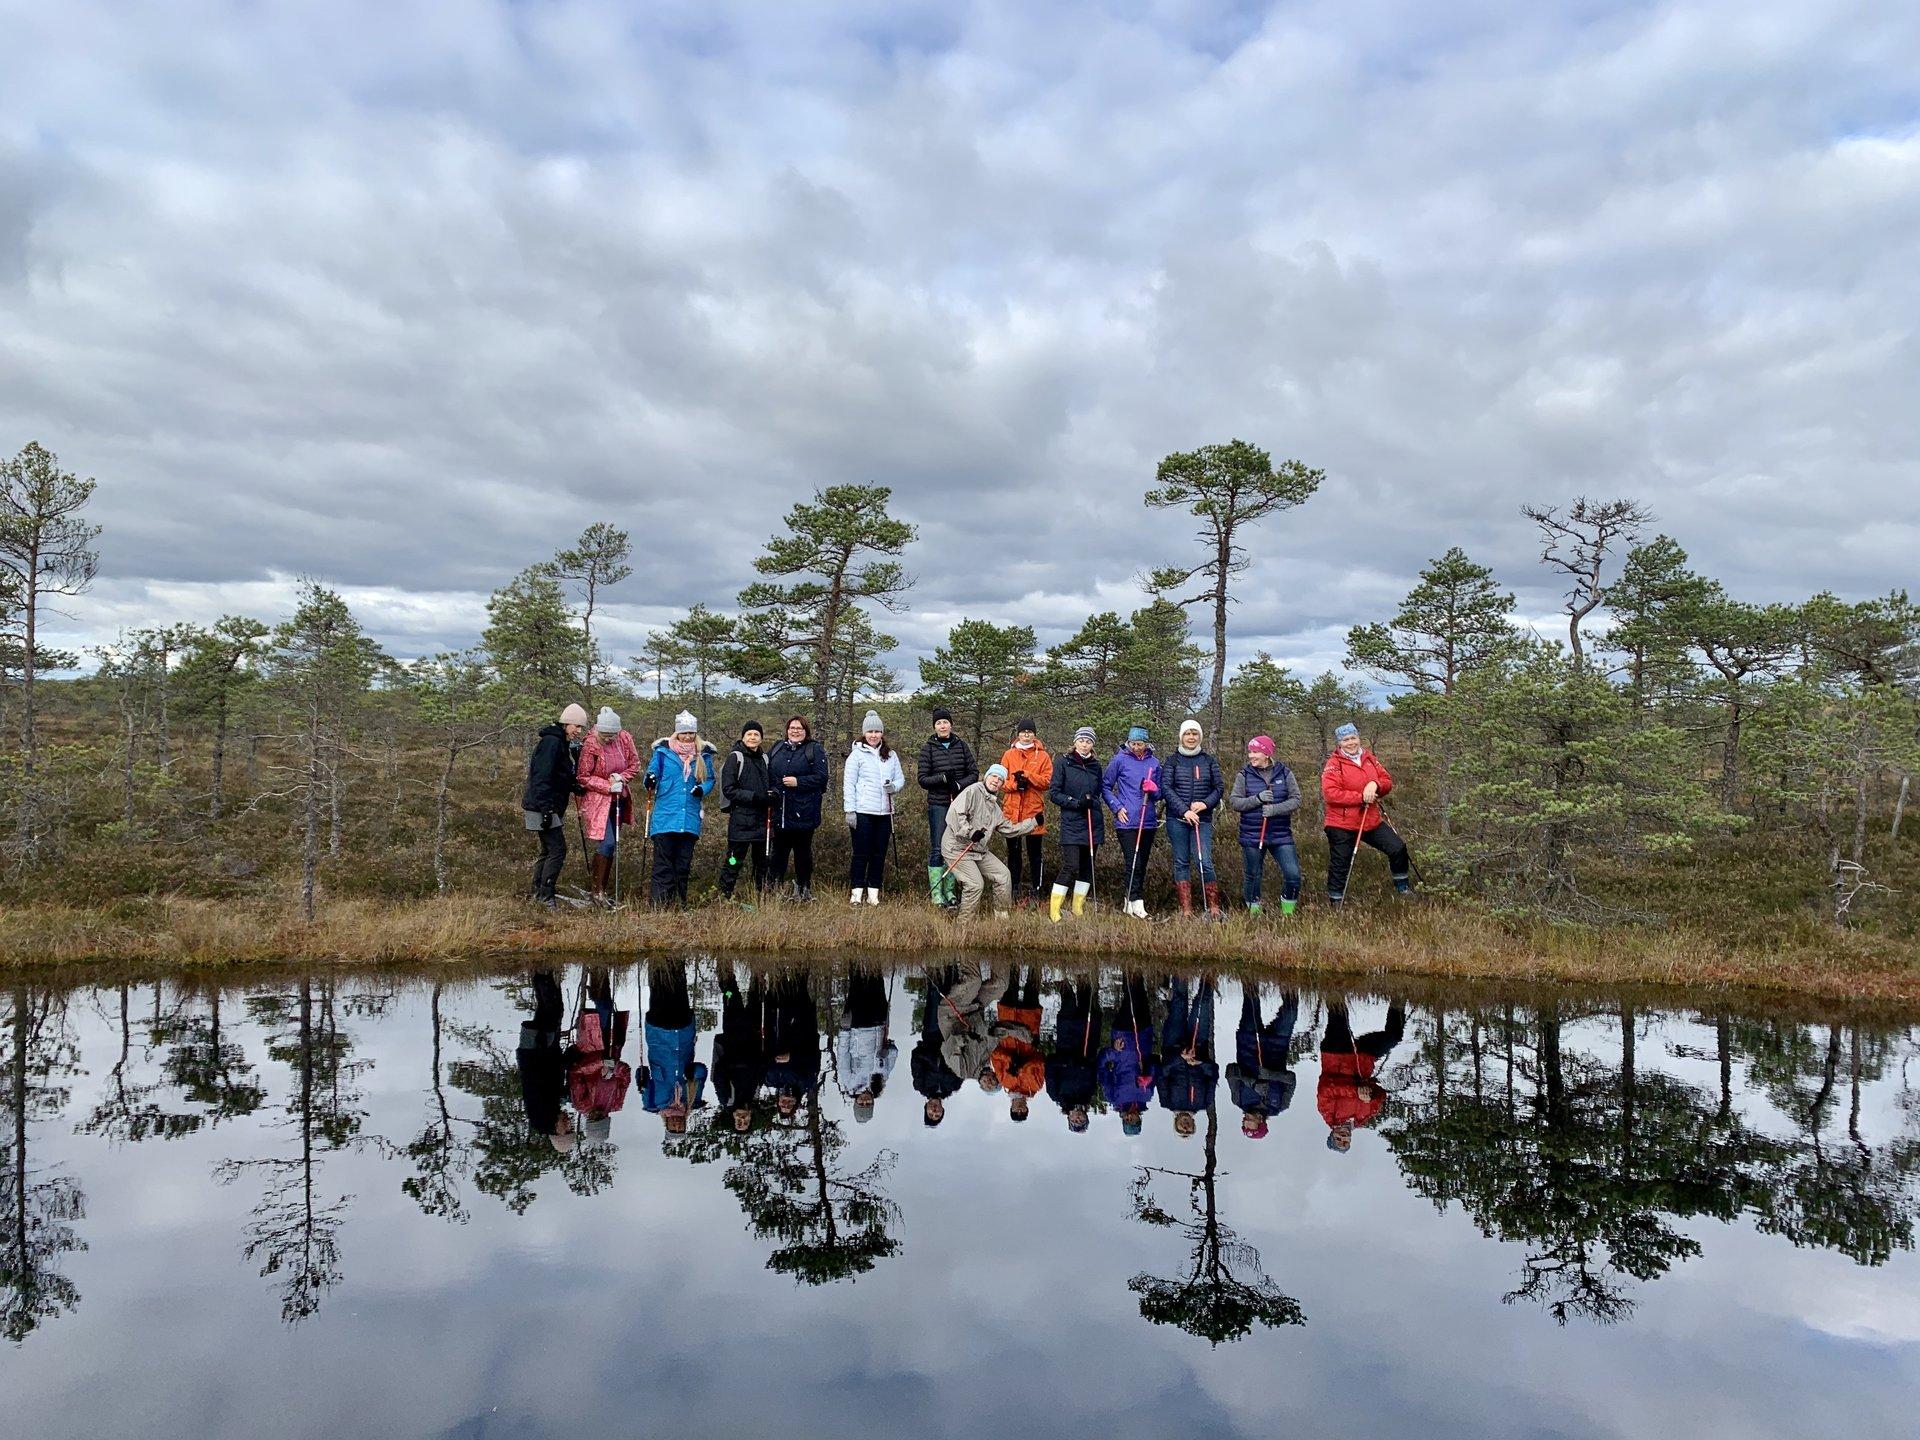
(972, 820)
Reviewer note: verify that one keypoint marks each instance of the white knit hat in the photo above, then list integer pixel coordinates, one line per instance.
(684, 721)
(574, 715)
(609, 722)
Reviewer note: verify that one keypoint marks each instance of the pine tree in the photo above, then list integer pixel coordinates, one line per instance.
(596, 562)
(532, 643)
(981, 672)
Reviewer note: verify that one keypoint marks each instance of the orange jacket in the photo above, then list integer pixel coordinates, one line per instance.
(1031, 803)
(1016, 1059)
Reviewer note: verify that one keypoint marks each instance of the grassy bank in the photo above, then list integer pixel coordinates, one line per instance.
(1425, 939)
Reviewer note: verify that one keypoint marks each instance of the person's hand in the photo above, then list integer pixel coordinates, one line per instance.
(698, 791)
(1266, 796)
(1020, 782)
(617, 784)
(1371, 793)
(852, 819)
(653, 782)
(1190, 1055)
(1121, 814)
(789, 782)
(977, 836)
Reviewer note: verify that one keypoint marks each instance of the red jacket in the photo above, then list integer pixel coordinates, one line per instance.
(1342, 781)
(1338, 1095)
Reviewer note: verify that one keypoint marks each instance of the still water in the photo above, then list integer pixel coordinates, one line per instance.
(412, 1204)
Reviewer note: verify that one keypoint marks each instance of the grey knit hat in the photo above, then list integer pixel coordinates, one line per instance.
(872, 722)
(684, 722)
(1085, 732)
(609, 721)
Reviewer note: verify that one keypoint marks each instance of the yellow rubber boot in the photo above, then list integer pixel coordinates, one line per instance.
(1080, 888)
(1054, 902)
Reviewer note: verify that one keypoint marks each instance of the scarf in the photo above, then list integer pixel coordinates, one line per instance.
(686, 750)
(1189, 752)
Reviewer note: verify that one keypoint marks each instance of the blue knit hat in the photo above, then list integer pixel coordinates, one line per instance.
(1138, 732)
(1343, 731)
(993, 770)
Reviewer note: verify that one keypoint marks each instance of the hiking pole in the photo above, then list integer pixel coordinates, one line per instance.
(613, 819)
(1093, 866)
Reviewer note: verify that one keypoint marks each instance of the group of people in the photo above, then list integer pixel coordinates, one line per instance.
(772, 796)
(1152, 1046)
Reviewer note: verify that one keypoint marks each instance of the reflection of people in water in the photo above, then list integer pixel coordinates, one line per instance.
(792, 1044)
(966, 1035)
(1260, 1079)
(1016, 1060)
(1127, 1064)
(864, 1056)
(672, 1080)
(542, 1065)
(1348, 1093)
(739, 1063)
(1189, 1075)
(597, 1078)
(1076, 1050)
(931, 1077)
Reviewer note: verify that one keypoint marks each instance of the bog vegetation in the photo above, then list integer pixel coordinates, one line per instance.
(1679, 757)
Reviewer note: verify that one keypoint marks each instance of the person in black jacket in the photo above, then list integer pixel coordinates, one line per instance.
(739, 1064)
(747, 791)
(797, 772)
(931, 1077)
(550, 785)
(1073, 1065)
(1075, 792)
(947, 767)
(542, 1063)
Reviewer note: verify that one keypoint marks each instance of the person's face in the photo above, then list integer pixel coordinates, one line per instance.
(1138, 749)
(1343, 1136)
(1183, 1124)
(676, 1124)
(989, 1081)
(684, 735)
(1077, 1117)
(943, 728)
(786, 1105)
(936, 1111)
(1083, 748)
(742, 1120)
(575, 732)
(796, 732)
(1189, 736)
(1350, 745)
(751, 739)
(993, 783)
(1249, 1124)
(873, 737)
(1025, 737)
(1259, 759)
(1018, 1105)
(564, 1125)
(863, 1097)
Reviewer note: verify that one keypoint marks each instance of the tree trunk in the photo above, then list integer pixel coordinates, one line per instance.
(1899, 807)
(333, 801)
(126, 766)
(219, 755)
(29, 735)
(440, 820)
(1860, 813)
(1216, 698)
(310, 837)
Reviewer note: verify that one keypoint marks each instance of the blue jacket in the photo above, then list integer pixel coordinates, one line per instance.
(797, 807)
(677, 794)
(1260, 1092)
(670, 1064)
(1188, 1084)
(1075, 791)
(1121, 783)
(1187, 778)
(1277, 818)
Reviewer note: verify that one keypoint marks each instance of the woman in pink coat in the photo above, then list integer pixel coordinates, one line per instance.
(608, 760)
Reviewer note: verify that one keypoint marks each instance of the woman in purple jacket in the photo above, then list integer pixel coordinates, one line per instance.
(1132, 788)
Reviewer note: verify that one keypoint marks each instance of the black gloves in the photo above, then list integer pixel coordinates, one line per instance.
(977, 837)
(1020, 782)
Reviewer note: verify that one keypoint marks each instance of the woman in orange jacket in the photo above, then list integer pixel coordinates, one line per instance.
(1029, 773)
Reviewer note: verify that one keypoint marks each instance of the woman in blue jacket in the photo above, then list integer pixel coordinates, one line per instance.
(1076, 787)
(1131, 785)
(680, 773)
(798, 768)
(1265, 795)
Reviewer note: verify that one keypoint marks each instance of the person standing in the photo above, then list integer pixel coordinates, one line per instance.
(1017, 1061)
(739, 1062)
(1351, 784)
(672, 1080)
(748, 792)
(864, 1055)
(1131, 784)
(872, 779)
(792, 1042)
(947, 767)
(1261, 1078)
(680, 773)
(972, 820)
(1189, 1075)
(931, 1077)
(1192, 786)
(1349, 1092)
(799, 772)
(1072, 1077)
(542, 1064)
(966, 1034)
(608, 762)
(1264, 796)
(1127, 1064)
(1029, 774)
(551, 783)
(1075, 792)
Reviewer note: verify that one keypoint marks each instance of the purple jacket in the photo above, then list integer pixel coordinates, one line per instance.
(1121, 786)
(1126, 1076)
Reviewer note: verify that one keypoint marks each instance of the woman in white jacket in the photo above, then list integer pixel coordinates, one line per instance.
(873, 777)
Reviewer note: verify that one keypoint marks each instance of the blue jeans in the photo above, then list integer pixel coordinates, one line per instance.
(1189, 1021)
(1254, 860)
(936, 826)
(1181, 836)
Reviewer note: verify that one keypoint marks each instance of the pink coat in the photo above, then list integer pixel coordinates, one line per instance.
(600, 760)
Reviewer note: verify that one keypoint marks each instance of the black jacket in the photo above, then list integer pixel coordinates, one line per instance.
(747, 789)
(797, 807)
(946, 768)
(1076, 791)
(550, 777)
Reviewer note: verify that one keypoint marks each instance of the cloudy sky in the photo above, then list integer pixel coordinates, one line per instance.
(404, 295)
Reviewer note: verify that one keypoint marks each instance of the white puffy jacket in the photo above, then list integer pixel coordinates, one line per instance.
(870, 783)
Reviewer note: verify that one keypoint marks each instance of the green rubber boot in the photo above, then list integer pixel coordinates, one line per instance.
(1253, 907)
(1287, 907)
(936, 887)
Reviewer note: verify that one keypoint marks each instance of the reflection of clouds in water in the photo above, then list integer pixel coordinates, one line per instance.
(1007, 1299)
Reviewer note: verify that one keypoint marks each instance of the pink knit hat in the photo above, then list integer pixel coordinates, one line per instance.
(1263, 744)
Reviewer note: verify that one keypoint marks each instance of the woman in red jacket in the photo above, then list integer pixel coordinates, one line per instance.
(1351, 784)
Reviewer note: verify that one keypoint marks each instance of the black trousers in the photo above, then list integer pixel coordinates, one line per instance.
(743, 855)
(1030, 845)
(799, 845)
(1076, 863)
(1340, 847)
(553, 859)
(1340, 1036)
(1136, 873)
(672, 867)
(870, 836)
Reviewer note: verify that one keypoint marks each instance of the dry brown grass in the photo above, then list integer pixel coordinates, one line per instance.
(1429, 940)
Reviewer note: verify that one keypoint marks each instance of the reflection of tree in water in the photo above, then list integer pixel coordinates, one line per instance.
(831, 1225)
(1584, 1161)
(39, 1205)
(440, 1156)
(294, 1230)
(207, 1065)
(130, 1111)
(506, 1159)
(1226, 1291)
